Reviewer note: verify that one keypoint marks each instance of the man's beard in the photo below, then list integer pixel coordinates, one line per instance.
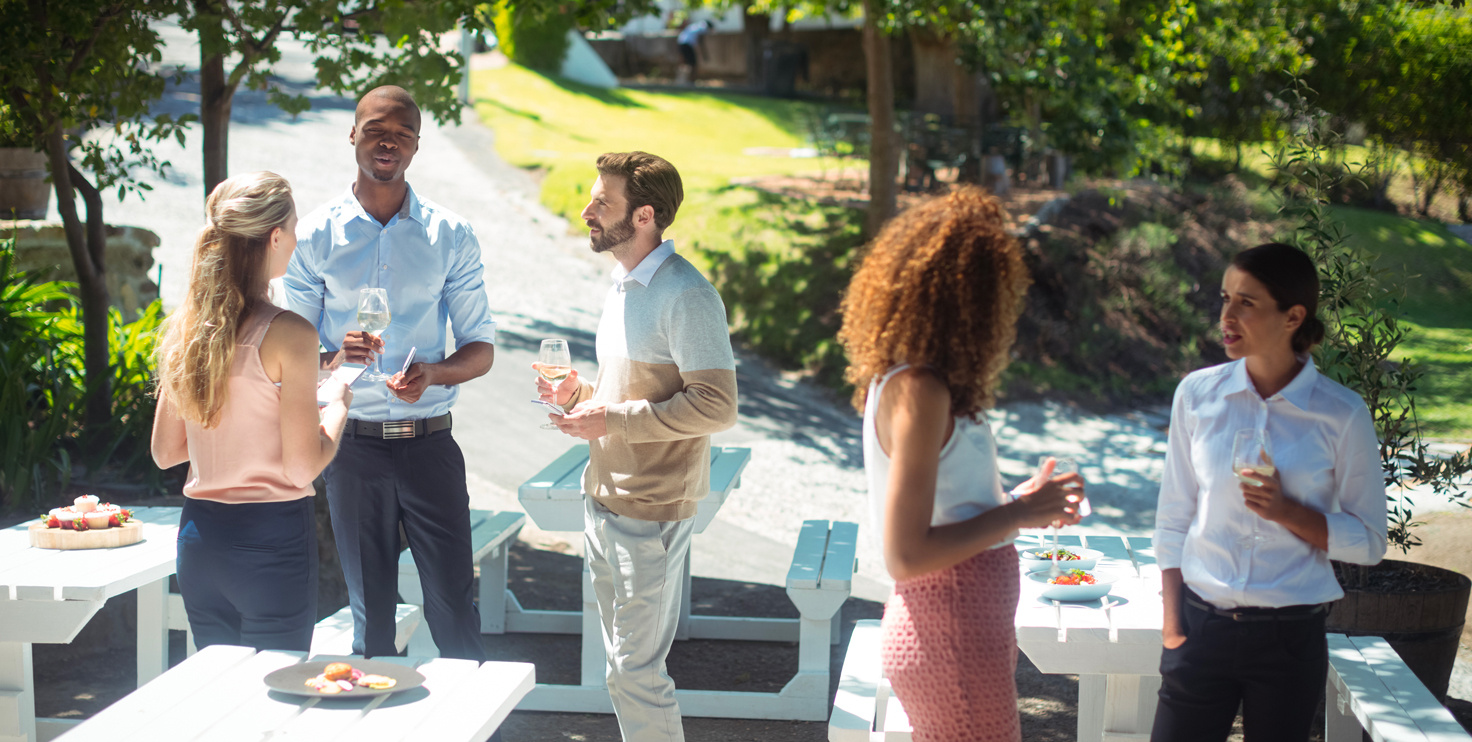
(615, 235)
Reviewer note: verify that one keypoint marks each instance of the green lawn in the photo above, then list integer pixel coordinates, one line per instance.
(1438, 309)
(562, 127)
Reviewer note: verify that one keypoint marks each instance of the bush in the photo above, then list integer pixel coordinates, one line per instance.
(42, 438)
(530, 38)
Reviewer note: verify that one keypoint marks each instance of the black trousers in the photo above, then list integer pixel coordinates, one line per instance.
(248, 573)
(1275, 669)
(374, 485)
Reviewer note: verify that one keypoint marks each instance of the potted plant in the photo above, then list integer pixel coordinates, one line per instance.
(24, 191)
(1417, 608)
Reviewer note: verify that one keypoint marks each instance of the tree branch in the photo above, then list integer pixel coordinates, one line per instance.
(96, 227)
(252, 50)
(84, 51)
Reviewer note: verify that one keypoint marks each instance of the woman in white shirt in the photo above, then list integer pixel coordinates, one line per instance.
(928, 322)
(1245, 562)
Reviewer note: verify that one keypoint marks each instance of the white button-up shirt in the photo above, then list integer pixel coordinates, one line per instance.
(1328, 459)
(428, 260)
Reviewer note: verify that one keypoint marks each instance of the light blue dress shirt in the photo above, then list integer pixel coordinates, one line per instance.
(428, 260)
(1323, 443)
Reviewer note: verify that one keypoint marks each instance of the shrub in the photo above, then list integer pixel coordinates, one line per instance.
(532, 38)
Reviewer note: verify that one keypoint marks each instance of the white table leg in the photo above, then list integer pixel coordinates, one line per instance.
(1091, 693)
(1340, 724)
(493, 590)
(17, 693)
(595, 659)
(153, 630)
(1116, 708)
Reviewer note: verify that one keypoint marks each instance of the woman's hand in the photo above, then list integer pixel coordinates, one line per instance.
(1265, 499)
(559, 395)
(1044, 501)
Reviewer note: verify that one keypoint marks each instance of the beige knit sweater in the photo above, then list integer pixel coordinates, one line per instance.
(667, 376)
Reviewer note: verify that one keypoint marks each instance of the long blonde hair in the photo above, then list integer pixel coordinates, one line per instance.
(226, 281)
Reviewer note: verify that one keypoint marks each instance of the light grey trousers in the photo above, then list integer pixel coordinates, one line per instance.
(638, 571)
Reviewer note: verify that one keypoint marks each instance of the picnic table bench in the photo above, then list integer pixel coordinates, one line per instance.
(818, 582)
(220, 694)
(1370, 688)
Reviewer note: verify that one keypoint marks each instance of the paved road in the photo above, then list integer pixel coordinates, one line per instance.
(543, 282)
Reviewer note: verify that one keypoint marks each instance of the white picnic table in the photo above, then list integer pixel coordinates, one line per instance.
(48, 595)
(220, 695)
(818, 583)
(1115, 651)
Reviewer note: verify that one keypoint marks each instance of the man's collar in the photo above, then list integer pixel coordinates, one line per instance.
(411, 208)
(645, 270)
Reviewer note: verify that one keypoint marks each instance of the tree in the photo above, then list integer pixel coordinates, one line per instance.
(71, 66)
(358, 46)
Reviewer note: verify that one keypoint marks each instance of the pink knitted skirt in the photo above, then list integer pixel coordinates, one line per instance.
(950, 649)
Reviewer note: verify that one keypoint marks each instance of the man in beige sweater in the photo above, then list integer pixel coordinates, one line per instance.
(666, 382)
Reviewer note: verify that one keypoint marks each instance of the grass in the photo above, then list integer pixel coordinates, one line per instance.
(1437, 270)
(704, 133)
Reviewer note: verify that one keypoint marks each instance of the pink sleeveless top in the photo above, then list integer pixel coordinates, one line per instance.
(239, 460)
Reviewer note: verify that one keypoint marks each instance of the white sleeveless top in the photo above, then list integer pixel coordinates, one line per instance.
(967, 483)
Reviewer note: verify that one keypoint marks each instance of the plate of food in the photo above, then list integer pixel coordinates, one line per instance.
(356, 679)
(1074, 585)
(1069, 557)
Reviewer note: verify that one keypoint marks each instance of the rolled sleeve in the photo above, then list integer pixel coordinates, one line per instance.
(1175, 508)
(465, 294)
(1357, 530)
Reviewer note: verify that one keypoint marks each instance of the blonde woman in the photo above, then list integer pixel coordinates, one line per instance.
(237, 386)
(928, 322)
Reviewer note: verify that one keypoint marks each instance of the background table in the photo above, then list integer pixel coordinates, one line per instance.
(220, 695)
(1115, 653)
(48, 595)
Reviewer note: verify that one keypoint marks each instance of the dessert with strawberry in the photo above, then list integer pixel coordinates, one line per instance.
(86, 513)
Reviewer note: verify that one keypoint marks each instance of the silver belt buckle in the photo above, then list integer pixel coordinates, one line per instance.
(398, 429)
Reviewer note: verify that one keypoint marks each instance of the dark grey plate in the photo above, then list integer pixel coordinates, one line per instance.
(293, 679)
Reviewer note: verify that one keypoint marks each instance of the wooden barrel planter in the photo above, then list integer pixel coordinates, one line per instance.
(1417, 608)
(24, 192)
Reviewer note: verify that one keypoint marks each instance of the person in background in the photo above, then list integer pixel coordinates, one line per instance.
(237, 399)
(399, 463)
(1244, 555)
(666, 382)
(928, 322)
(691, 41)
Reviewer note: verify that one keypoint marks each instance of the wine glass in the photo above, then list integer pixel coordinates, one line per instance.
(1251, 452)
(554, 364)
(373, 317)
(1061, 466)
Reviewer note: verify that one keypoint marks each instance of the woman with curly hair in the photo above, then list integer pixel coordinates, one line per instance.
(928, 323)
(237, 388)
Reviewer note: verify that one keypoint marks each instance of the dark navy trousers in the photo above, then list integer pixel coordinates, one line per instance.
(374, 485)
(248, 573)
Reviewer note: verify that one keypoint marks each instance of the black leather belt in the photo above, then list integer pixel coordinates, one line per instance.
(395, 429)
(1286, 613)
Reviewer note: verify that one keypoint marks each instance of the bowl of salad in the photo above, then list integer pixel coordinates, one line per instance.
(1069, 557)
(1074, 584)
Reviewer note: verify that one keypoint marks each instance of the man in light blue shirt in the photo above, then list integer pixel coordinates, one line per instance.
(398, 463)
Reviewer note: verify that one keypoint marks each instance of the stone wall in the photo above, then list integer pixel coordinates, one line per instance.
(41, 246)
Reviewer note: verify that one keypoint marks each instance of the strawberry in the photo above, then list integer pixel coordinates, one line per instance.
(122, 517)
(114, 521)
(53, 521)
(80, 524)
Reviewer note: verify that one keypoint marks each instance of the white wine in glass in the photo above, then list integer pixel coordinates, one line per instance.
(554, 363)
(1061, 466)
(373, 317)
(1251, 452)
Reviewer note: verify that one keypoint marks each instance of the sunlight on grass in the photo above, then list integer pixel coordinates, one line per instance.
(704, 133)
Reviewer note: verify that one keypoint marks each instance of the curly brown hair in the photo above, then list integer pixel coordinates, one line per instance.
(941, 287)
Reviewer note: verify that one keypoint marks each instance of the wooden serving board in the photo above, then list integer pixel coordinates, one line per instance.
(97, 538)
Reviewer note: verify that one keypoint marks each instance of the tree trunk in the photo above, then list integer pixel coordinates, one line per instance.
(216, 98)
(87, 247)
(883, 163)
(755, 26)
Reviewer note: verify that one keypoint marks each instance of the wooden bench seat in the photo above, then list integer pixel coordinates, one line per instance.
(864, 708)
(334, 634)
(1370, 688)
(491, 534)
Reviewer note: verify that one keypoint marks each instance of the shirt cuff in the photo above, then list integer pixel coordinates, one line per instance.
(1350, 541)
(1168, 548)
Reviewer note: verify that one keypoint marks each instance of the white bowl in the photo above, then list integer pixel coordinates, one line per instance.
(1087, 558)
(1075, 593)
